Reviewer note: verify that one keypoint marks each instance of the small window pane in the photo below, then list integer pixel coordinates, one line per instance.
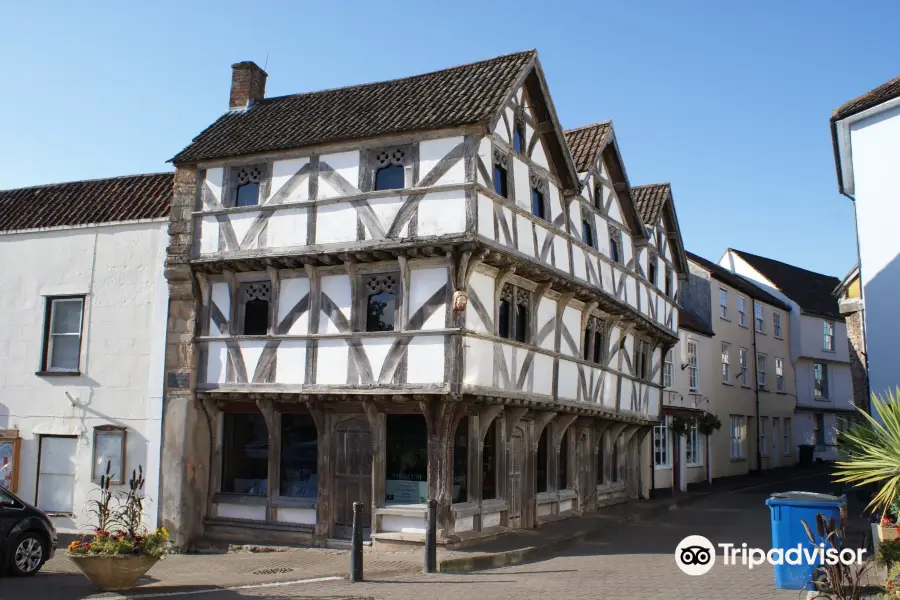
(380, 310)
(299, 456)
(245, 454)
(64, 351)
(518, 138)
(521, 322)
(108, 446)
(537, 204)
(67, 316)
(613, 249)
(501, 185)
(256, 317)
(587, 344)
(598, 347)
(248, 194)
(587, 233)
(503, 318)
(390, 178)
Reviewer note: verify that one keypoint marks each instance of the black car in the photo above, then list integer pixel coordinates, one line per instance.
(27, 537)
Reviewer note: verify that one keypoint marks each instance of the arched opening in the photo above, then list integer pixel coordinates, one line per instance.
(461, 461)
(601, 460)
(540, 478)
(489, 464)
(390, 177)
(564, 462)
(406, 459)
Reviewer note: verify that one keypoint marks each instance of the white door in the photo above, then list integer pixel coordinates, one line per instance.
(56, 474)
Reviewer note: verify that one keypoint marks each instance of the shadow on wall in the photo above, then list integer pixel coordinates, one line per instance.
(4, 416)
(882, 299)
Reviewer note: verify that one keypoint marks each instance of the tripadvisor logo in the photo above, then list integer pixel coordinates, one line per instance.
(696, 555)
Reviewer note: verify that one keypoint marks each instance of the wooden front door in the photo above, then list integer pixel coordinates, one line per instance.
(516, 470)
(352, 475)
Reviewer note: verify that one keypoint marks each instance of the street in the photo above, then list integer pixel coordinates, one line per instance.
(630, 561)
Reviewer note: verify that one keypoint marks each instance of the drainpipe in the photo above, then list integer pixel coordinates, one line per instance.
(862, 298)
(756, 385)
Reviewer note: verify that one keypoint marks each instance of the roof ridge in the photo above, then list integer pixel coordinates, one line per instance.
(589, 125)
(744, 252)
(532, 52)
(61, 183)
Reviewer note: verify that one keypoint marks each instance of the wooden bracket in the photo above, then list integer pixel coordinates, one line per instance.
(513, 416)
(559, 426)
(486, 418)
(541, 420)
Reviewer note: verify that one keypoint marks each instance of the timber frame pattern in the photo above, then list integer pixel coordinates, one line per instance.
(312, 247)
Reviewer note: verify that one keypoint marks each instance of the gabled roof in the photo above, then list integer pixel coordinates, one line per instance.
(462, 95)
(585, 142)
(688, 320)
(654, 200)
(128, 198)
(883, 93)
(737, 282)
(811, 290)
(847, 281)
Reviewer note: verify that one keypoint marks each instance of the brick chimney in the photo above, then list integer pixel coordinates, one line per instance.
(248, 85)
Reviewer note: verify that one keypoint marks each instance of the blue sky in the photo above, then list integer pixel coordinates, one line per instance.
(727, 101)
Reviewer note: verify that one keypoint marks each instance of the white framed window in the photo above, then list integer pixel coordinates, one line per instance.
(820, 380)
(763, 431)
(742, 312)
(828, 336)
(779, 374)
(737, 436)
(759, 317)
(662, 444)
(62, 334)
(786, 437)
(761, 365)
(774, 436)
(693, 456)
(776, 323)
(723, 303)
(693, 366)
(743, 359)
(726, 363)
(668, 375)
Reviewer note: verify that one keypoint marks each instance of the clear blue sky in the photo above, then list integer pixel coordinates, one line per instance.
(728, 101)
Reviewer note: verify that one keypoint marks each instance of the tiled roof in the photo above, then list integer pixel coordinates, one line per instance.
(688, 320)
(882, 93)
(737, 282)
(811, 290)
(466, 94)
(585, 142)
(650, 200)
(81, 202)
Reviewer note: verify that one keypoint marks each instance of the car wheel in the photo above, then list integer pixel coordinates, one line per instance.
(27, 554)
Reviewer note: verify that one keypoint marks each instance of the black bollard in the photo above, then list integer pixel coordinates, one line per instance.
(431, 537)
(356, 545)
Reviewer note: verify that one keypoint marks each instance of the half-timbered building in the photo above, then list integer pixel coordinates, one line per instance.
(409, 290)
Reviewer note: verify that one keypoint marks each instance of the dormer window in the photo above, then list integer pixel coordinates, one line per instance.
(389, 169)
(519, 136)
(381, 302)
(253, 318)
(538, 202)
(501, 176)
(247, 182)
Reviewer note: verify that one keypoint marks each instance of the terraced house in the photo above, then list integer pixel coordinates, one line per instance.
(409, 290)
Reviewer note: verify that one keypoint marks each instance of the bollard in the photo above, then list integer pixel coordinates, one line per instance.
(356, 545)
(431, 537)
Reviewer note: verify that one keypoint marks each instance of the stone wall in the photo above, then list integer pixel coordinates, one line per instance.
(853, 310)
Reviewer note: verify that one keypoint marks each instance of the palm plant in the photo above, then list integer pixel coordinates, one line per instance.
(871, 452)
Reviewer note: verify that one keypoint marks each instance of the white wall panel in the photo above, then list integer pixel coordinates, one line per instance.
(335, 223)
(479, 366)
(209, 235)
(331, 368)
(214, 180)
(222, 298)
(290, 362)
(561, 254)
(547, 314)
(300, 516)
(241, 511)
(385, 210)
(345, 164)
(485, 216)
(241, 223)
(425, 360)
(216, 359)
(337, 288)
(286, 228)
(522, 183)
(282, 172)
(442, 213)
(526, 235)
(430, 154)
(610, 384)
(483, 286)
(543, 374)
(376, 350)
(572, 322)
(424, 283)
(568, 380)
(293, 289)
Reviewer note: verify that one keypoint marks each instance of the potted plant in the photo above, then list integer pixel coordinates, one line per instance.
(839, 581)
(121, 549)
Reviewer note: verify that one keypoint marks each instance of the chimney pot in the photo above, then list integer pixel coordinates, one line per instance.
(248, 85)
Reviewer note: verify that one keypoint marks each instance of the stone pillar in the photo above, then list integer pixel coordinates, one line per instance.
(185, 454)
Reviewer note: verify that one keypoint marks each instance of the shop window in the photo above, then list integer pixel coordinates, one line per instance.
(406, 460)
(299, 456)
(489, 463)
(245, 454)
(461, 461)
(540, 479)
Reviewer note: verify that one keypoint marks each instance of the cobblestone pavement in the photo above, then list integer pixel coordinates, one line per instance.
(629, 560)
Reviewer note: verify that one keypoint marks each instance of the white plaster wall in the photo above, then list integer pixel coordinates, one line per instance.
(345, 164)
(222, 298)
(425, 359)
(424, 283)
(430, 154)
(483, 286)
(479, 362)
(209, 235)
(215, 182)
(290, 362)
(120, 271)
(546, 313)
(485, 216)
(812, 338)
(335, 223)
(522, 183)
(442, 213)
(287, 227)
(282, 171)
(336, 287)
(293, 289)
(331, 367)
(571, 320)
(875, 144)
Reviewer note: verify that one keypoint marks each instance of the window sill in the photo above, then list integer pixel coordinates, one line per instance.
(781, 393)
(728, 384)
(227, 498)
(692, 465)
(738, 459)
(291, 502)
(403, 510)
(760, 332)
(58, 373)
(724, 318)
(567, 494)
(662, 467)
(741, 325)
(779, 337)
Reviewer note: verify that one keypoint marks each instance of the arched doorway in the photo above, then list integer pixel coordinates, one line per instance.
(516, 471)
(352, 475)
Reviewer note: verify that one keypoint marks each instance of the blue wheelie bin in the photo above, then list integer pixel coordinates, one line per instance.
(787, 509)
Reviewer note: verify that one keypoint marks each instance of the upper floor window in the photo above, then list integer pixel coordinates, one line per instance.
(598, 195)
(651, 269)
(761, 367)
(820, 380)
(593, 341)
(779, 374)
(737, 436)
(828, 339)
(62, 334)
(726, 363)
(776, 323)
(759, 318)
(642, 360)
(744, 361)
(669, 282)
(615, 246)
(668, 374)
(512, 317)
(519, 136)
(661, 443)
(247, 182)
(659, 238)
(253, 316)
(538, 203)
(587, 233)
(389, 169)
(501, 174)
(381, 302)
(742, 311)
(693, 366)
(723, 303)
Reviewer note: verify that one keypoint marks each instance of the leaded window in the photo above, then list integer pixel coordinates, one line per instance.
(254, 306)
(381, 305)
(615, 245)
(519, 136)
(513, 313)
(390, 173)
(538, 199)
(247, 184)
(587, 233)
(501, 173)
(593, 341)
(651, 268)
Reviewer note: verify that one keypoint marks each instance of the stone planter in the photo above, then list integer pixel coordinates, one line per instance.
(887, 533)
(113, 573)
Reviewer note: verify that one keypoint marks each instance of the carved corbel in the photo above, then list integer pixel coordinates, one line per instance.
(559, 426)
(486, 419)
(541, 420)
(586, 314)
(513, 416)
